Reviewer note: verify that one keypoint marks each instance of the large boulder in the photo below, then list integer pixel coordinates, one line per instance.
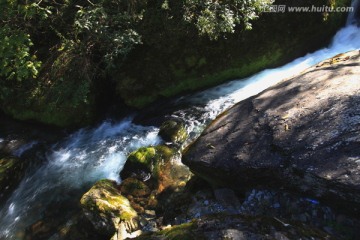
(107, 209)
(302, 134)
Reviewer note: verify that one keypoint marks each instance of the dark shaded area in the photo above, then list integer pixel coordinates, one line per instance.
(178, 60)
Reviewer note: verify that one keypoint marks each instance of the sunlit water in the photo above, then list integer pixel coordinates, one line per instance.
(210, 103)
(92, 154)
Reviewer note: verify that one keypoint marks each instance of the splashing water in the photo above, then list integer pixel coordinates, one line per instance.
(210, 103)
(77, 162)
(92, 154)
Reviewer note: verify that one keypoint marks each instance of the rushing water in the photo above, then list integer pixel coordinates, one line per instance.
(88, 155)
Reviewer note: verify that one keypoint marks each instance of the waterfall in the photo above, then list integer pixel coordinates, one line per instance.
(91, 154)
(354, 16)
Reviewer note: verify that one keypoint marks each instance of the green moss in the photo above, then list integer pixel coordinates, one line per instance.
(105, 199)
(61, 117)
(164, 152)
(144, 155)
(187, 66)
(149, 156)
(149, 159)
(239, 69)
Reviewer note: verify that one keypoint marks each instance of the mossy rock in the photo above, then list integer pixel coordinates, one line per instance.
(12, 170)
(144, 162)
(173, 131)
(143, 156)
(160, 164)
(105, 207)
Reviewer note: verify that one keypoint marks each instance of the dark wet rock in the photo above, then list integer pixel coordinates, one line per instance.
(17, 136)
(108, 210)
(301, 134)
(77, 228)
(292, 207)
(56, 220)
(237, 227)
(134, 187)
(173, 131)
(12, 170)
(199, 200)
(226, 197)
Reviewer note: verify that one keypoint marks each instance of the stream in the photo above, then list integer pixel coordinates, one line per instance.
(76, 162)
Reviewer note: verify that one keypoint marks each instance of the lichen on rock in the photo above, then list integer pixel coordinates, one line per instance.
(161, 164)
(144, 162)
(106, 208)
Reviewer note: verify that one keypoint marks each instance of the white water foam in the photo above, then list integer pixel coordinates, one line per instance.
(83, 158)
(216, 100)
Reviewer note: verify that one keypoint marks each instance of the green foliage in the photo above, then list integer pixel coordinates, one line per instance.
(108, 27)
(17, 62)
(214, 18)
(58, 59)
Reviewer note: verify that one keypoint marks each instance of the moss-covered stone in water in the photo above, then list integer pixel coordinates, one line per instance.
(146, 158)
(144, 155)
(173, 131)
(157, 163)
(105, 207)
